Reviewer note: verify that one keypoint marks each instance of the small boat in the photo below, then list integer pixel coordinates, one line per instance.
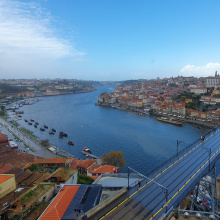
(32, 120)
(70, 142)
(45, 126)
(26, 120)
(86, 150)
(63, 134)
(29, 123)
(36, 123)
(53, 130)
(35, 126)
(42, 129)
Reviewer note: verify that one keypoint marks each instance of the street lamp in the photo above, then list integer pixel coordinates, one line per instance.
(178, 142)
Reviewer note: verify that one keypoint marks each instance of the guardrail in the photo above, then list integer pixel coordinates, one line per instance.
(181, 153)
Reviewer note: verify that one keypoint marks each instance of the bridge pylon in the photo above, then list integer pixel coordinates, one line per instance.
(204, 196)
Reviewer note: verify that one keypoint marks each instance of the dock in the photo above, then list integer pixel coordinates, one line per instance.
(90, 155)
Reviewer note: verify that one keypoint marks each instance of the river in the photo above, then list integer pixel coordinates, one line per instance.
(146, 142)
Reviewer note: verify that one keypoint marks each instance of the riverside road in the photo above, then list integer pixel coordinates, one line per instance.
(32, 147)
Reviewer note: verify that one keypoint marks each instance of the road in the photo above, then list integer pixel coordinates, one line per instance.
(171, 184)
(32, 147)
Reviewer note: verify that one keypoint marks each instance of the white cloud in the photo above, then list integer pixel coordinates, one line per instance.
(200, 71)
(27, 34)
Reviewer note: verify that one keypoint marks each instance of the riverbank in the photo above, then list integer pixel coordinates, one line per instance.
(198, 123)
(30, 144)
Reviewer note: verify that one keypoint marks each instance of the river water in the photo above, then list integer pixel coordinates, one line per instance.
(146, 142)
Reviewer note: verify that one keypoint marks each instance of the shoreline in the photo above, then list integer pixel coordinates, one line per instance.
(33, 144)
(195, 123)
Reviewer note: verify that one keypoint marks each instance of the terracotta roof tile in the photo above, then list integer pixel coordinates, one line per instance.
(86, 163)
(94, 177)
(51, 160)
(93, 167)
(105, 169)
(6, 168)
(59, 205)
(4, 177)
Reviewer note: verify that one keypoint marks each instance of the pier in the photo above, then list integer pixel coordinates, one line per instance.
(90, 155)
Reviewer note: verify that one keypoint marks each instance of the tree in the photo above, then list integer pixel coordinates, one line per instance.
(114, 158)
(104, 93)
(45, 143)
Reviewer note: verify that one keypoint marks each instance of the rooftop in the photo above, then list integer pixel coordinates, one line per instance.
(4, 177)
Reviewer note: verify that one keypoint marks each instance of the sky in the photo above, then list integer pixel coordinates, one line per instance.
(109, 39)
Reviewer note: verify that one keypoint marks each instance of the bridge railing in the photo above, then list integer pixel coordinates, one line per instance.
(168, 162)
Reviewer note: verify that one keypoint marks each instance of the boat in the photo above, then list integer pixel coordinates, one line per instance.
(70, 142)
(36, 123)
(86, 150)
(26, 120)
(63, 134)
(53, 130)
(32, 120)
(29, 123)
(35, 126)
(170, 121)
(42, 129)
(45, 126)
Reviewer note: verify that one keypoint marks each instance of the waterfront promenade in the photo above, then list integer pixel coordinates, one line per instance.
(26, 144)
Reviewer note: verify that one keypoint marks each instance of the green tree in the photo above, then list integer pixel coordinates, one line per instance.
(84, 179)
(45, 143)
(114, 158)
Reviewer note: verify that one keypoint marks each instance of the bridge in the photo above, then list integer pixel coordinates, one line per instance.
(166, 186)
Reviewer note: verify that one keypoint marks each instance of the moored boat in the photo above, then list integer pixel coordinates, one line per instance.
(42, 129)
(29, 123)
(51, 132)
(45, 126)
(70, 142)
(86, 150)
(63, 134)
(164, 119)
(35, 126)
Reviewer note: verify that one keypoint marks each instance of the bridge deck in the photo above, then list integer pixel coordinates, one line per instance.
(179, 177)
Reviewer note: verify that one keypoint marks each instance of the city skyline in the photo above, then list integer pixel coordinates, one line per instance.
(108, 40)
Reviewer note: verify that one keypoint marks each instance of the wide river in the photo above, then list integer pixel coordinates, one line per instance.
(146, 142)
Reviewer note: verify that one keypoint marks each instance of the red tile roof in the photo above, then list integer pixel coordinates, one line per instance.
(51, 160)
(59, 205)
(4, 177)
(105, 169)
(86, 163)
(94, 177)
(93, 167)
(6, 168)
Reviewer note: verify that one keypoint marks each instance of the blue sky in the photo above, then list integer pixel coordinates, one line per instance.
(109, 39)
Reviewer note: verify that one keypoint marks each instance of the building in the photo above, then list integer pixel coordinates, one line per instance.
(212, 82)
(3, 140)
(7, 184)
(59, 162)
(72, 201)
